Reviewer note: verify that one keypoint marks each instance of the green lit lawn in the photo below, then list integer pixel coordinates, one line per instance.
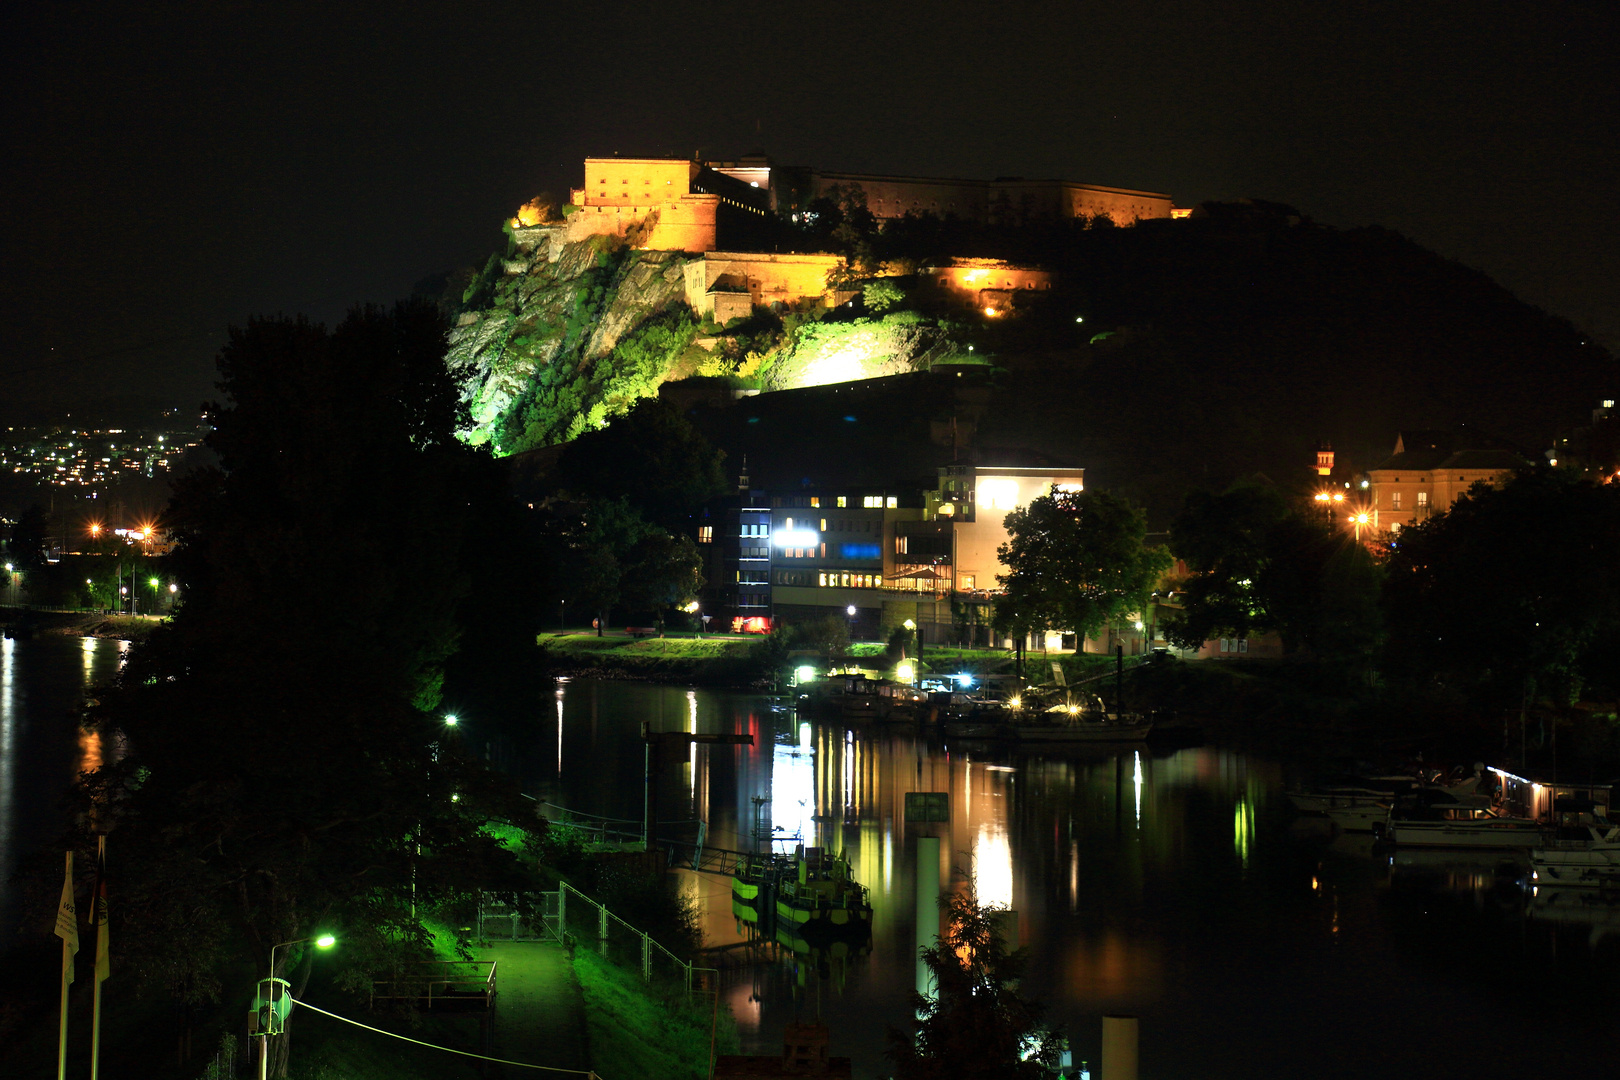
(638, 1034)
(687, 647)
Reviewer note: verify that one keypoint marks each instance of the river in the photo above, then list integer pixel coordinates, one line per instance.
(1172, 884)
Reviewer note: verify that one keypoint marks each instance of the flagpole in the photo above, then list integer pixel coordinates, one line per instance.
(67, 928)
(102, 959)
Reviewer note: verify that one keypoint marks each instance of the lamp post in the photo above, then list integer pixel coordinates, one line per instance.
(271, 1016)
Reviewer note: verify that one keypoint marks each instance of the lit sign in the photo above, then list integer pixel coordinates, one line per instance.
(859, 551)
(753, 624)
(798, 538)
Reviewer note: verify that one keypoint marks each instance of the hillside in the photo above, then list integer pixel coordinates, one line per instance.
(1223, 345)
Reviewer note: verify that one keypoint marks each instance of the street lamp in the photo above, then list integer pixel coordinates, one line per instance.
(271, 1008)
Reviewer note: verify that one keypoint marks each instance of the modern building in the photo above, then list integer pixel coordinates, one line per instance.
(877, 556)
(1428, 471)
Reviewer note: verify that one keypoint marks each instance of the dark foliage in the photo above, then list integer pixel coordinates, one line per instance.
(975, 1025)
(284, 774)
(1513, 592)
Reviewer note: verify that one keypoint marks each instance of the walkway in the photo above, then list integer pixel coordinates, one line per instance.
(539, 1012)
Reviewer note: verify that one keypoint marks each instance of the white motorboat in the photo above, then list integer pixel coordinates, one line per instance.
(1358, 803)
(1587, 855)
(1433, 818)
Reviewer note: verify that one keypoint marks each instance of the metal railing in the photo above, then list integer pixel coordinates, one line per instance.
(437, 982)
(569, 917)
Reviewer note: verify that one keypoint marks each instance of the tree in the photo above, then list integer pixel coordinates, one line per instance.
(604, 554)
(286, 775)
(1258, 565)
(26, 550)
(975, 1024)
(1075, 561)
(1512, 589)
(652, 457)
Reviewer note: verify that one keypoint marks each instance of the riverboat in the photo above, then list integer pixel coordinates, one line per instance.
(1085, 719)
(1358, 803)
(819, 892)
(1584, 847)
(1435, 818)
(754, 882)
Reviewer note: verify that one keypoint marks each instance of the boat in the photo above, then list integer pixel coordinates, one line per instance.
(754, 881)
(1358, 803)
(1434, 818)
(818, 893)
(1080, 720)
(1583, 849)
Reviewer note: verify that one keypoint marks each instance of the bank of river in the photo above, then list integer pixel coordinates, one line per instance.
(80, 624)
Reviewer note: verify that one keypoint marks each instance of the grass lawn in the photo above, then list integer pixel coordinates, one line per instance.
(638, 1033)
(727, 646)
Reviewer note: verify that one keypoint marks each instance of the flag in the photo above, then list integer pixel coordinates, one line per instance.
(103, 957)
(67, 922)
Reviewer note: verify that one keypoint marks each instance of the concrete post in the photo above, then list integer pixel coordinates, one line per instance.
(927, 905)
(601, 928)
(1119, 1046)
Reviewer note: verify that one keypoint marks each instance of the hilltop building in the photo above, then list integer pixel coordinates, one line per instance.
(675, 205)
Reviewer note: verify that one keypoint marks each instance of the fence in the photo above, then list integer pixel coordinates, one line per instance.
(569, 917)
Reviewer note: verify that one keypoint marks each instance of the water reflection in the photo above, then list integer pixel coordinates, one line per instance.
(1172, 886)
(42, 748)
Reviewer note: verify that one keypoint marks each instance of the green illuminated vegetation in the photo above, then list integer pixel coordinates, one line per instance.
(636, 1031)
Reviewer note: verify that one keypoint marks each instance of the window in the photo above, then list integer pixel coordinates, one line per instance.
(1243, 645)
(815, 500)
(891, 502)
(1423, 499)
(705, 534)
(843, 500)
(1395, 500)
(965, 583)
(873, 502)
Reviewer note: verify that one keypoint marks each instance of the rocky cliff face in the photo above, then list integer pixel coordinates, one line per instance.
(550, 316)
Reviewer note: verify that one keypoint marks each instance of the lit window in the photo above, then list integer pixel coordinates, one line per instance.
(843, 501)
(823, 524)
(705, 534)
(965, 583)
(1395, 500)
(1423, 498)
(815, 500)
(891, 502)
(873, 502)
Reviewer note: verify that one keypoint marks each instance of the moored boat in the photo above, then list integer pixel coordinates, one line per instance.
(818, 891)
(1434, 818)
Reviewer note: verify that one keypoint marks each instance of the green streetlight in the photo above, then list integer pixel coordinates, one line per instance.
(272, 1008)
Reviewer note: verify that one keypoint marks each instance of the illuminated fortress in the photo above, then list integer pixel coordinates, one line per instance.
(673, 205)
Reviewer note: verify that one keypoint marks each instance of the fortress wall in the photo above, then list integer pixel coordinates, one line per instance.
(636, 181)
(894, 196)
(1122, 205)
(770, 278)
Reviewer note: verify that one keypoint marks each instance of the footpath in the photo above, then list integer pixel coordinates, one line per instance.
(539, 1010)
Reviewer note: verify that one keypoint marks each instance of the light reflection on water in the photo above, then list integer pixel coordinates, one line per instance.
(42, 748)
(1169, 884)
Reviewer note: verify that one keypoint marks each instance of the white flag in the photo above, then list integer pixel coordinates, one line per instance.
(67, 921)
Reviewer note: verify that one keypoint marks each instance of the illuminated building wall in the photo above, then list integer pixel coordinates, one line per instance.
(1005, 202)
(1425, 475)
(721, 278)
(985, 284)
(621, 192)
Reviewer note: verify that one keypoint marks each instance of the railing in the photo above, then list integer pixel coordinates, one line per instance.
(439, 983)
(569, 917)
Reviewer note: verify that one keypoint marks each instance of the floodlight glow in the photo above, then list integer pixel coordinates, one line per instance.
(850, 611)
(798, 538)
(452, 719)
(804, 674)
(905, 671)
(325, 941)
(963, 679)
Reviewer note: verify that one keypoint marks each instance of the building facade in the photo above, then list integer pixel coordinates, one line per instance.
(649, 198)
(1428, 471)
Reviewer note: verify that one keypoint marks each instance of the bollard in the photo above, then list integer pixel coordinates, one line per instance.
(1119, 1044)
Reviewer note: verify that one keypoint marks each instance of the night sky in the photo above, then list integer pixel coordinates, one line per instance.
(170, 169)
